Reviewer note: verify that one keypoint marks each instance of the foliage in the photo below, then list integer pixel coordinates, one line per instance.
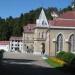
(69, 8)
(52, 62)
(14, 26)
(1, 54)
(66, 56)
(57, 60)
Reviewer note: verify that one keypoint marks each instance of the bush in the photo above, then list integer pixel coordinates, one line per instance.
(60, 54)
(66, 56)
(1, 53)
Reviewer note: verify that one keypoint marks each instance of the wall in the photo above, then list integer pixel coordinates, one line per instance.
(16, 44)
(53, 37)
(39, 39)
(28, 40)
(4, 47)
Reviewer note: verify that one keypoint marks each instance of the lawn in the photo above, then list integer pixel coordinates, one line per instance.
(55, 62)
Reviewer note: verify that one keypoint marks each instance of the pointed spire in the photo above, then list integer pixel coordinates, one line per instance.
(42, 20)
(42, 14)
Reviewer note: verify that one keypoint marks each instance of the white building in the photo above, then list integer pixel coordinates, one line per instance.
(4, 45)
(16, 44)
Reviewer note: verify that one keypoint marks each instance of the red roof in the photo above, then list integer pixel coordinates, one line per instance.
(65, 23)
(4, 42)
(29, 28)
(68, 15)
(67, 19)
(15, 38)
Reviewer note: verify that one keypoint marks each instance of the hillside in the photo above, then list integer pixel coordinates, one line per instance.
(14, 26)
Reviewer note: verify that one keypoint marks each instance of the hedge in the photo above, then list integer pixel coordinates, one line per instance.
(1, 54)
(66, 56)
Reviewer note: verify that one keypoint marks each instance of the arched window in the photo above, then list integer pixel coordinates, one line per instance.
(72, 43)
(59, 43)
(44, 23)
(39, 34)
(42, 34)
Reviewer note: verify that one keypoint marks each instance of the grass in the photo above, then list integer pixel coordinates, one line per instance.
(55, 62)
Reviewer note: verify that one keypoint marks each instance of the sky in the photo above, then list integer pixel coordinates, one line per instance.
(15, 7)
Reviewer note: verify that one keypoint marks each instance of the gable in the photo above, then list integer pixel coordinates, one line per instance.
(42, 20)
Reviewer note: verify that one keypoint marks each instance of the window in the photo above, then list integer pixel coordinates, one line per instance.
(18, 40)
(44, 23)
(12, 48)
(59, 43)
(42, 34)
(15, 44)
(15, 40)
(39, 34)
(72, 43)
(18, 44)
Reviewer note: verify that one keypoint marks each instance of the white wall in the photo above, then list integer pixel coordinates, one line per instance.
(4, 47)
(15, 44)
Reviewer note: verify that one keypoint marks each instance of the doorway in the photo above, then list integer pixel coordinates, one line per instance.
(43, 48)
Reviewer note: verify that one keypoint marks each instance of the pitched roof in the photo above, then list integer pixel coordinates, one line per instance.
(29, 28)
(68, 15)
(4, 42)
(67, 19)
(62, 22)
(15, 38)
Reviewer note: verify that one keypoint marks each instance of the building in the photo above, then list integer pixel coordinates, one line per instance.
(4, 45)
(28, 38)
(35, 35)
(16, 44)
(51, 36)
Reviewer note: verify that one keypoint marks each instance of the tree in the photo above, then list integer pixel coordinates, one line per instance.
(17, 30)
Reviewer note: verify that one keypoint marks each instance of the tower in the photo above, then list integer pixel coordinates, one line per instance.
(40, 33)
(42, 20)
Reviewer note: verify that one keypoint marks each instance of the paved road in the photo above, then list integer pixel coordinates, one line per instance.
(12, 58)
(26, 69)
(30, 66)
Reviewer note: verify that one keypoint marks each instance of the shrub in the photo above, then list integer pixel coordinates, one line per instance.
(60, 54)
(66, 56)
(57, 60)
(1, 53)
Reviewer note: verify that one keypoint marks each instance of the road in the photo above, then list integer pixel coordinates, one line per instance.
(30, 66)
